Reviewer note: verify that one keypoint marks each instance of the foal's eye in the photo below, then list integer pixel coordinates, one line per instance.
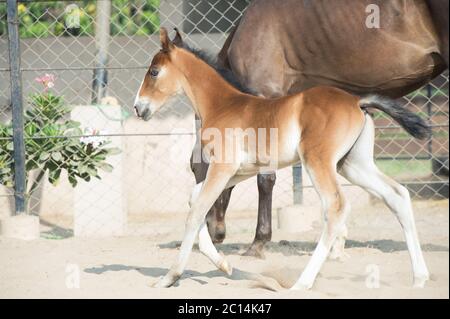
(154, 73)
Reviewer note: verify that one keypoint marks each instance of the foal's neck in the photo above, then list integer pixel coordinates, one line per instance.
(208, 91)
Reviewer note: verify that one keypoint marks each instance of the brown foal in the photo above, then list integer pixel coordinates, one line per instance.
(324, 128)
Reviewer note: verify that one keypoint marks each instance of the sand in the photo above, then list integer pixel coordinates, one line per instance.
(58, 267)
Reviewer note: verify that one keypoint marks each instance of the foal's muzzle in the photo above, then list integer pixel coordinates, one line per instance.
(143, 110)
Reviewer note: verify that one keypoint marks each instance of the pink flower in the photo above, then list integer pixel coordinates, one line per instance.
(48, 80)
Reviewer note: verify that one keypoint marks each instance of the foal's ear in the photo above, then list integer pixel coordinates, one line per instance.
(165, 41)
(178, 40)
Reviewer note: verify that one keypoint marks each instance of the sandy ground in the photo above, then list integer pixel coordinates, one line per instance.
(125, 267)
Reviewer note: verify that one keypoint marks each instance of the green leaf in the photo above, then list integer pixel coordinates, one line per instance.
(92, 171)
(74, 163)
(30, 129)
(53, 176)
(82, 169)
(70, 149)
(72, 180)
(74, 132)
(113, 151)
(106, 167)
(44, 156)
(10, 146)
(57, 156)
(30, 165)
(72, 124)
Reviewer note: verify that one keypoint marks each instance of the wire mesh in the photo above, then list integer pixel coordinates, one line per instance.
(144, 167)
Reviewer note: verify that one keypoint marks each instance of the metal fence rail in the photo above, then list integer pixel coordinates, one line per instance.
(102, 48)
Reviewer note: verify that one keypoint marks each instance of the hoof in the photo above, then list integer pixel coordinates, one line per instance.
(301, 287)
(158, 283)
(218, 234)
(339, 256)
(226, 267)
(256, 252)
(419, 282)
(218, 239)
(165, 282)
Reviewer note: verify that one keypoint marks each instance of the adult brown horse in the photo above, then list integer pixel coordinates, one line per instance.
(287, 46)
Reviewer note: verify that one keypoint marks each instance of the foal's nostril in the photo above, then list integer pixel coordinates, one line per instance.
(136, 110)
(146, 114)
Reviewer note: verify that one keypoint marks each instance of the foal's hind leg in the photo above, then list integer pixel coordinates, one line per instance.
(360, 169)
(338, 249)
(324, 177)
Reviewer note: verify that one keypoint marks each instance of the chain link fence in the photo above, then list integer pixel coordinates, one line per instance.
(81, 66)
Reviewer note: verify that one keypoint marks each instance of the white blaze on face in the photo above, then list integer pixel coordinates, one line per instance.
(136, 100)
(145, 99)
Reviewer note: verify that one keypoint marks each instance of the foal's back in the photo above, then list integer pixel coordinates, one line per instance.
(321, 122)
(317, 109)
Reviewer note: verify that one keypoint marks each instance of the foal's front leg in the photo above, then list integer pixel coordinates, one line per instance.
(216, 181)
(208, 249)
(216, 215)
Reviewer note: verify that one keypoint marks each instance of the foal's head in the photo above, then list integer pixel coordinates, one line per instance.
(162, 79)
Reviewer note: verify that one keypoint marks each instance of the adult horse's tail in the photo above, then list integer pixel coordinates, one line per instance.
(411, 122)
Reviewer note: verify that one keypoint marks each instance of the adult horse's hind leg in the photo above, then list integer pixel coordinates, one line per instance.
(215, 219)
(359, 168)
(263, 234)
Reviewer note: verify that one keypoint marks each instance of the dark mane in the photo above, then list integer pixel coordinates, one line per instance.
(225, 73)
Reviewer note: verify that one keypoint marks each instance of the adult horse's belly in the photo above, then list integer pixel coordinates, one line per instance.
(326, 42)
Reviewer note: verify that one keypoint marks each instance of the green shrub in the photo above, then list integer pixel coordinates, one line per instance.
(53, 144)
(43, 19)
